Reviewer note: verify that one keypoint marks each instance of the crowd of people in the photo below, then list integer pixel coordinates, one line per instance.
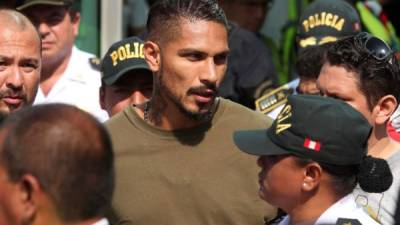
(185, 123)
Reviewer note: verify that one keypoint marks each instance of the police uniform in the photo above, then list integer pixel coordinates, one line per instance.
(322, 22)
(79, 86)
(251, 71)
(273, 102)
(344, 210)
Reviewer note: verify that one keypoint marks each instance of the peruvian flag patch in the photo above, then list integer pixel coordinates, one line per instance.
(311, 144)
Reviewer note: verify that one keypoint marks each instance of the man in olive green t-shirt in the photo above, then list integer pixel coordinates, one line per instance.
(176, 162)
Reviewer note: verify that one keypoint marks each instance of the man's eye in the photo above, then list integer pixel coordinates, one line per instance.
(221, 58)
(54, 19)
(148, 87)
(3, 65)
(194, 56)
(29, 67)
(121, 90)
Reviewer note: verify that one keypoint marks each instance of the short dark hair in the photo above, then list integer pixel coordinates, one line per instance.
(377, 78)
(310, 61)
(165, 15)
(68, 151)
(344, 178)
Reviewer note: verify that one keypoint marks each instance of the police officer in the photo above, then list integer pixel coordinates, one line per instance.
(322, 22)
(252, 70)
(126, 77)
(67, 75)
(312, 158)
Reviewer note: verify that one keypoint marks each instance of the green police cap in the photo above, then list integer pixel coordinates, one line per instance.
(326, 21)
(123, 56)
(29, 3)
(323, 129)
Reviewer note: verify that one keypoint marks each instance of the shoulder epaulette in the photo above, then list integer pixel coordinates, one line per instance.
(273, 99)
(95, 63)
(347, 221)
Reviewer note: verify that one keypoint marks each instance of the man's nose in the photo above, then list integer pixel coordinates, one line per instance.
(209, 74)
(43, 29)
(137, 97)
(15, 79)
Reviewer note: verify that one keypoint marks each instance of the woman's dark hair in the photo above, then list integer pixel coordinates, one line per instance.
(373, 175)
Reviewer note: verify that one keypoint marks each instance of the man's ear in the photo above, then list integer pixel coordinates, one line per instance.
(28, 190)
(152, 55)
(384, 109)
(75, 20)
(312, 177)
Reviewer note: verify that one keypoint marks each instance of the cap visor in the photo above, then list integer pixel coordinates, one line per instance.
(257, 142)
(44, 2)
(110, 80)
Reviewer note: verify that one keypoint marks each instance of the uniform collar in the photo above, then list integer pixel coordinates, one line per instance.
(330, 216)
(74, 72)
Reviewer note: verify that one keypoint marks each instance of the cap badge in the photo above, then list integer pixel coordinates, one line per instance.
(311, 144)
(281, 125)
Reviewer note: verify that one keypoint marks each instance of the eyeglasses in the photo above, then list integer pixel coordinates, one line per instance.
(376, 47)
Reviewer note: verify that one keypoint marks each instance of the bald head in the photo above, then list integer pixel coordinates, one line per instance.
(64, 148)
(14, 20)
(20, 56)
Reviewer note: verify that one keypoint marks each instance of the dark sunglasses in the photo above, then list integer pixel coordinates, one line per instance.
(376, 47)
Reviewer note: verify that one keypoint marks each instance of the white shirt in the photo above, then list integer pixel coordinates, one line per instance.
(103, 221)
(346, 207)
(79, 86)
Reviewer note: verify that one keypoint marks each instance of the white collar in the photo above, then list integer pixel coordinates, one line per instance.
(346, 204)
(73, 71)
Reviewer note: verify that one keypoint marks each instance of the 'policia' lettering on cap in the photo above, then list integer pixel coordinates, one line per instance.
(326, 21)
(123, 56)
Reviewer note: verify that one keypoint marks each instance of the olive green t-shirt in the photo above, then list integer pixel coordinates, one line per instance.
(193, 176)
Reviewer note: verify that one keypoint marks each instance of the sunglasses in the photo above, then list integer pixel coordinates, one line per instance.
(376, 47)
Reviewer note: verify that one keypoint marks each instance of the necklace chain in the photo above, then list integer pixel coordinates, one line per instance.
(146, 112)
(147, 106)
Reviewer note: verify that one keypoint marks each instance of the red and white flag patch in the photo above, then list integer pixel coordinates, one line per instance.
(311, 144)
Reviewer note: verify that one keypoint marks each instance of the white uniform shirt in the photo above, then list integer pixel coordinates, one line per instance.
(344, 208)
(79, 86)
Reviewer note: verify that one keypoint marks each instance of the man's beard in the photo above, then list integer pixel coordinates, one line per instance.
(4, 93)
(205, 112)
(3, 116)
